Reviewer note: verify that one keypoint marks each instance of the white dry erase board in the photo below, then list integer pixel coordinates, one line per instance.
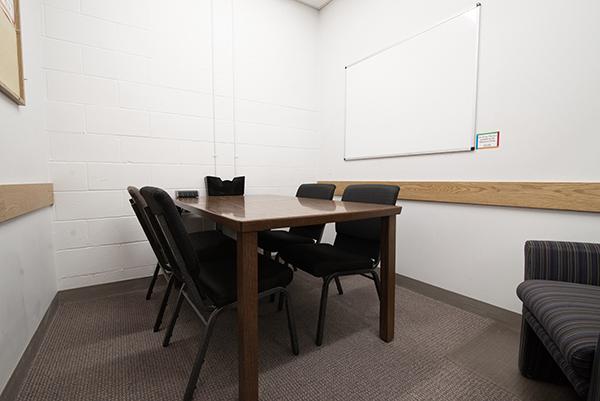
(418, 96)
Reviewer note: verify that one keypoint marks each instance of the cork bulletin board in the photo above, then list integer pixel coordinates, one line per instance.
(11, 60)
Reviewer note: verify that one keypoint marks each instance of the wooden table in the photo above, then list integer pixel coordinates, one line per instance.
(247, 215)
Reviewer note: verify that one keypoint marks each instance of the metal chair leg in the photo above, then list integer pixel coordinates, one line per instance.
(153, 282)
(163, 304)
(199, 361)
(171, 326)
(338, 284)
(281, 301)
(377, 283)
(322, 310)
(284, 295)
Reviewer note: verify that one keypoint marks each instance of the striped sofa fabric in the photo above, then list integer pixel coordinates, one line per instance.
(573, 262)
(570, 314)
(561, 313)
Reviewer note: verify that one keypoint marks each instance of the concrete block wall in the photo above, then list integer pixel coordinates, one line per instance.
(143, 94)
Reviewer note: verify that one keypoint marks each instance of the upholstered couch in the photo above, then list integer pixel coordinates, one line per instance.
(560, 334)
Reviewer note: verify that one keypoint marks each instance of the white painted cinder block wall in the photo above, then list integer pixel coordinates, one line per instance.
(143, 94)
(28, 280)
(538, 85)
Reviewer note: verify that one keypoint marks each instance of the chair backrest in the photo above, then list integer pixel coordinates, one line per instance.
(363, 236)
(315, 191)
(174, 239)
(140, 208)
(215, 186)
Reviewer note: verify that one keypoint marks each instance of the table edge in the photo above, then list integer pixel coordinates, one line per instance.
(281, 222)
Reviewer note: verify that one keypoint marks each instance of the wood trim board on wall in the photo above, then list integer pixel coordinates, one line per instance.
(19, 199)
(570, 196)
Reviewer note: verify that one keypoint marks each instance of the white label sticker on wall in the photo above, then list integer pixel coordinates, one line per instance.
(487, 140)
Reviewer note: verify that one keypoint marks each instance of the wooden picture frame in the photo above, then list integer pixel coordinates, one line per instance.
(11, 65)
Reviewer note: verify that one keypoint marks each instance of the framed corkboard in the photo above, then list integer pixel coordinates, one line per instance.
(11, 62)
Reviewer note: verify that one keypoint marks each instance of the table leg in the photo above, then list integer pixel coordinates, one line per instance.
(388, 278)
(247, 291)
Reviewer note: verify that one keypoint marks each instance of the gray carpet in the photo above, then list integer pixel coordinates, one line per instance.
(103, 348)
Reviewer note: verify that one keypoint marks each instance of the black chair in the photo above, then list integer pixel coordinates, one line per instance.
(354, 252)
(275, 240)
(215, 186)
(560, 331)
(207, 244)
(207, 284)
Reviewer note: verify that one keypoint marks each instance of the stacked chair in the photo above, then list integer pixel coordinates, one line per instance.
(356, 250)
(207, 244)
(207, 283)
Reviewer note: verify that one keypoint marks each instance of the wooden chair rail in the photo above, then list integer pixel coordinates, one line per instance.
(570, 196)
(19, 199)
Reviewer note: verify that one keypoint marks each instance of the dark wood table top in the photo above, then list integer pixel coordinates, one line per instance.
(263, 212)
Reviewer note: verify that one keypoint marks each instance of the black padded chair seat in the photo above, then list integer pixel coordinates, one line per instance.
(219, 279)
(212, 244)
(570, 314)
(321, 260)
(276, 240)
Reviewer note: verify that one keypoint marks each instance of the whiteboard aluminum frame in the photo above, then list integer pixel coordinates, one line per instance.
(434, 152)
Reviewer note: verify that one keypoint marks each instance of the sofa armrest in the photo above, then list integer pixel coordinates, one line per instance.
(573, 262)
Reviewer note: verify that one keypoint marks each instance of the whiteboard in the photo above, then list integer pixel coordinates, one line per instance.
(418, 96)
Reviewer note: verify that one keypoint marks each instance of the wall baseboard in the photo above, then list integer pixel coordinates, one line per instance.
(508, 318)
(13, 386)
(105, 290)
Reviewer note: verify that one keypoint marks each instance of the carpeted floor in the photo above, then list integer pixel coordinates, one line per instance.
(103, 348)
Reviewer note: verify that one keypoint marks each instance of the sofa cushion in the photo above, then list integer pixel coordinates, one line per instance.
(570, 314)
